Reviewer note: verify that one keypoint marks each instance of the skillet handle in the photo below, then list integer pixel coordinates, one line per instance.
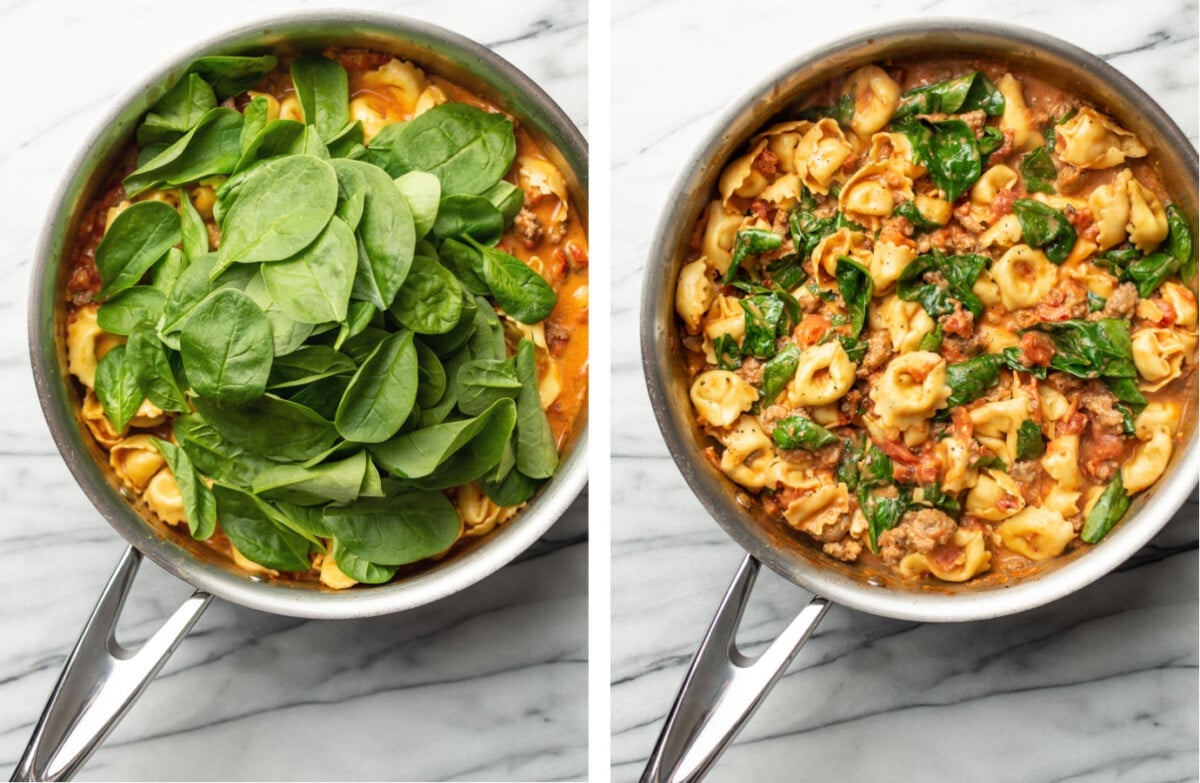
(101, 680)
(723, 687)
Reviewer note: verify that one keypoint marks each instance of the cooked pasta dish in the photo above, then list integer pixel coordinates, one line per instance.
(940, 320)
(329, 315)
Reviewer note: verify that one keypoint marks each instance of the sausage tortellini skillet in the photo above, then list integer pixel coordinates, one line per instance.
(941, 319)
(329, 315)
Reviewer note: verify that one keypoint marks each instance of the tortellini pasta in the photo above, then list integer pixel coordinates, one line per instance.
(1091, 140)
(538, 178)
(824, 374)
(95, 419)
(822, 507)
(331, 576)
(720, 397)
(996, 496)
(135, 460)
(694, 293)
(905, 322)
(386, 95)
(719, 234)
(87, 343)
(162, 496)
(1037, 533)
(1159, 355)
(1024, 277)
(911, 389)
(820, 154)
(1016, 114)
(749, 455)
(973, 559)
(741, 178)
(981, 429)
(1155, 428)
(479, 514)
(876, 96)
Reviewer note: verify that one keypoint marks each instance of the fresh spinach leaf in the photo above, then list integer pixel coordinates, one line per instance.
(155, 375)
(348, 142)
(193, 231)
(780, 369)
(422, 192)
(418, 454)
(467, 149)
(512, 490)
(215, 456)
(199, 505)
(360, 570)
(232, 74)
(226, 346)
(854, 282)
(120, 314)
(177, 112)
(518, 289)
(308, 364)
(254, 118)
(1107, 512)
(507, 198)
(481, 382)
(166, 271)
(272, 427)
(314, 285)
(323, 89)
(382, 392)
(537, 454)
(478, 458)
(275, 138)
(461, 215)
(801, 432)
(117, 387)
(429, 301)
(336, 482)
(1038, 171)
(431, 376)
(137, 238)
(408, 527)
(287, 333)
(281, 207)
(386, 232)
(248, 523)
(212, 146)
(1045, 227)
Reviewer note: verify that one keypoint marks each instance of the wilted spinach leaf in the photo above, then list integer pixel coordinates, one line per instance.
(1045, 227)
(801, 432)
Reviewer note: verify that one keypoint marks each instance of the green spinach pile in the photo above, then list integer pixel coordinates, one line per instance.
(337, 363)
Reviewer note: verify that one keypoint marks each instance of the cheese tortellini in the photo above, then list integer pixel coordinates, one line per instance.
(720, 397)
(944, 386)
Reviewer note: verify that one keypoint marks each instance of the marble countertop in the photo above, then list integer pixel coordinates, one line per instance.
(1099, 686)
(489, 684)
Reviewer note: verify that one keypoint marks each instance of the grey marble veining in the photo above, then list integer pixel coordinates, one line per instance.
(1099, 686)
(489, 684)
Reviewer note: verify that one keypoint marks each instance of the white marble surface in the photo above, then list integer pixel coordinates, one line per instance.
(1099, 686)
(490, 684)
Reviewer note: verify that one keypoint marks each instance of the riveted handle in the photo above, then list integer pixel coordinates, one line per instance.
(723, 687)
(101, 680)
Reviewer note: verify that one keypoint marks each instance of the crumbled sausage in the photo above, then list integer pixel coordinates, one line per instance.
(1037, 349)
(1100, 403)
(879, 348)
(1120, 304)
(919, 531)
(847, 550)
(528, 228)
(556, 337)
(751, 371)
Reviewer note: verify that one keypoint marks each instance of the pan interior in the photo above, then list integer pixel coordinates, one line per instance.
(794, 555)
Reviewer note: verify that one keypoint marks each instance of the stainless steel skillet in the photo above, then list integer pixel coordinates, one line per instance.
(723, 687)
(101, 679)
